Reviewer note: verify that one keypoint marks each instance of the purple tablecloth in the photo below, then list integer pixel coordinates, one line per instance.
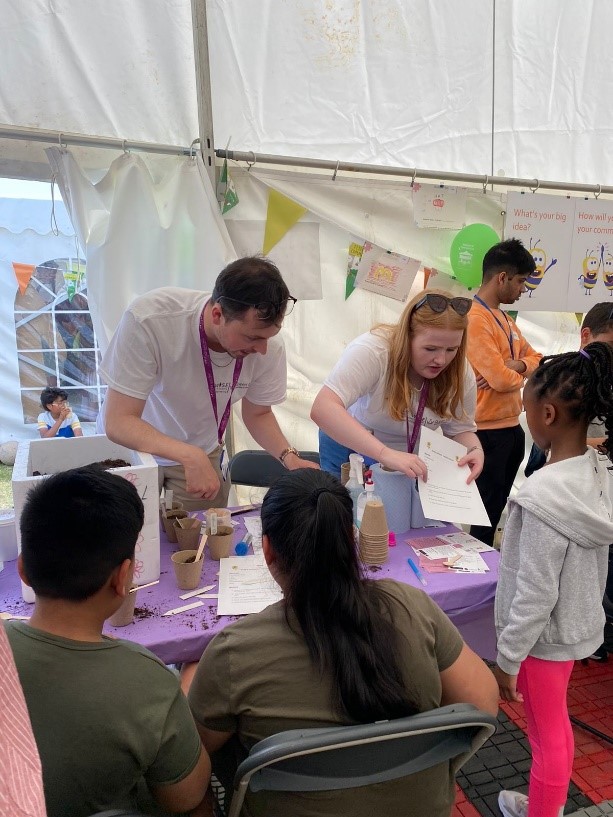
(467, 599)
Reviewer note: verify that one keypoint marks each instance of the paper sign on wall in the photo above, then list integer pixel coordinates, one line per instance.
(439, 207)
(385, 272)
(591, 262)
(544, 224)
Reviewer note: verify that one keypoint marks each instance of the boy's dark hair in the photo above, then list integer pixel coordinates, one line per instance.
(76, 528)
(251, 282)
(508, 256)
(50, 394)
(599, 319)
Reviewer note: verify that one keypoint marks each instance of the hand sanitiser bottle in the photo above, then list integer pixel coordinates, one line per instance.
(367, 495)
(355, 485)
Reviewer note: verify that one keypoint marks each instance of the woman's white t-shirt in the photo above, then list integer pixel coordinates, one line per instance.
(359, 380)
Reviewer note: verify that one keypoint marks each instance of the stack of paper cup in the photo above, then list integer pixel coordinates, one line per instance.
(373, 538)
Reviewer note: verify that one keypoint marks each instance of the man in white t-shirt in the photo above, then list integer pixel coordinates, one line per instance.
(177, 362)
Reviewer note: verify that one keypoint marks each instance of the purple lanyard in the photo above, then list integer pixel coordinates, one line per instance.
(418, 417)
(509, 337)
(210, 379)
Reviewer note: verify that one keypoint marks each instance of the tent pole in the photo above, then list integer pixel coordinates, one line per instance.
(65, 139)
(203, 86)
(408, 172)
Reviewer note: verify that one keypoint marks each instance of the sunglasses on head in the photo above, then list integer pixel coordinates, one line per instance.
(439, 303)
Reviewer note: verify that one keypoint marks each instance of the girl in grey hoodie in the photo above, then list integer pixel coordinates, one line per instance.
(554, 565)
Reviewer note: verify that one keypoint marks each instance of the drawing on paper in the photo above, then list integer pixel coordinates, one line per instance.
(540, 259)
(590, 268)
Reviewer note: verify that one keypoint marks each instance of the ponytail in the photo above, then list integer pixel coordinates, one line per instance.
(345, 620)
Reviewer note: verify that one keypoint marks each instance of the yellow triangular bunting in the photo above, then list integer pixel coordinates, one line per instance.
(282, 214)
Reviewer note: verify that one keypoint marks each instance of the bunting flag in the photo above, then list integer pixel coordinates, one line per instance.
(226, 192)
(427, 273)
(23, 273)
(353, 261)
(73, 277)
(281, 216)
(512, 313)
(579, 316)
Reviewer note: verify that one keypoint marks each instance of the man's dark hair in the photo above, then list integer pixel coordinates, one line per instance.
(50, 395)
(251, 282)
(508, 256)
(599, 319)
(76, 528)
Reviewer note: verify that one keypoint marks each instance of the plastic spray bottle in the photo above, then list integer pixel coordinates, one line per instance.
(355, 485)
(367, 495)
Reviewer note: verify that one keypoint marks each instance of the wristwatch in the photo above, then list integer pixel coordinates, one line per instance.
(285, 452)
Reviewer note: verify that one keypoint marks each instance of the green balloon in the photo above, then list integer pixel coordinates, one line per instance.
(467, 251)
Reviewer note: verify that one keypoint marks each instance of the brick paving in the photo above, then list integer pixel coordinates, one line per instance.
(504, 761)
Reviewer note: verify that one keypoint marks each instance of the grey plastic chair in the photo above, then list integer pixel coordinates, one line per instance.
(345, 757)
(259, 468)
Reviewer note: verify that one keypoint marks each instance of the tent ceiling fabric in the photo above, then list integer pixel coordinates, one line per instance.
(379, 81)
(120, 68)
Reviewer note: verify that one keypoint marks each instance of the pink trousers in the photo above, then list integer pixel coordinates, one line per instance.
(544, 685)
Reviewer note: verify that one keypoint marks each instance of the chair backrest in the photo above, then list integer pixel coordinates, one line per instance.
(259, 468)
(344, 757)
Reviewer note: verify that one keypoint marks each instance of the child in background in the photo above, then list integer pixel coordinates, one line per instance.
(58, 419)
(554, 566)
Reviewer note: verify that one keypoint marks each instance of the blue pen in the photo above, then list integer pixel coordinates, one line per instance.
(417, 572)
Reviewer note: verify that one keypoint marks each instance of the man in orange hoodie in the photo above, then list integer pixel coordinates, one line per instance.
(502, 360)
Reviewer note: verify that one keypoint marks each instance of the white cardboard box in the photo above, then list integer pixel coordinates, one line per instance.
(59, 454)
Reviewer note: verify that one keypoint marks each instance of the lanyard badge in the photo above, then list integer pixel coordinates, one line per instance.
(210, 379)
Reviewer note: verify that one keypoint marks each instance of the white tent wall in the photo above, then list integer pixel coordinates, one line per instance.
(140, 232)
(118, 68)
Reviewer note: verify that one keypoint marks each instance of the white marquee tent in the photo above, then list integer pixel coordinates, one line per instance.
(501, 88)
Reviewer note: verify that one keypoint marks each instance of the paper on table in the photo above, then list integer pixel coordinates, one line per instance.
(245, 586)
(468, 542)
(446, 495)
(254, 526)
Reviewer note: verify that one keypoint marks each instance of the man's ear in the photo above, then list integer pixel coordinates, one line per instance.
(21, 571)
(121, 577)
(549, 414)
(216, 314)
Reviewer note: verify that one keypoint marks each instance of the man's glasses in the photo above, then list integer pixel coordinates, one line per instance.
(439, 303)
(59, 402)
(266, 309)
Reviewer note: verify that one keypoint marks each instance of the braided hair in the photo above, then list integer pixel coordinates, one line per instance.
(583, 381)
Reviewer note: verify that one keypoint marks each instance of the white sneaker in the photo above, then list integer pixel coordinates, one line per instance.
(513, 804)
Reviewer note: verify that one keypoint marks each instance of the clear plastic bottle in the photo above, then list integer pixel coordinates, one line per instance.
(367, 495)
(355, 485)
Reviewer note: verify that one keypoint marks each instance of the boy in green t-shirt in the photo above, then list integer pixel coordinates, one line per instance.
(106, 713)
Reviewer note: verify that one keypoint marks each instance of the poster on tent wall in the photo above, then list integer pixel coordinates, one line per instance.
(438, 207)
(545, 225)
(386, 273)
(591, 263)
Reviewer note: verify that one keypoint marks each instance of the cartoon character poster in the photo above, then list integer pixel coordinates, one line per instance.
(545, 225)
(591, 272)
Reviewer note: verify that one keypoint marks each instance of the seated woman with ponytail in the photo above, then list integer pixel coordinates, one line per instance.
(339, 649)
